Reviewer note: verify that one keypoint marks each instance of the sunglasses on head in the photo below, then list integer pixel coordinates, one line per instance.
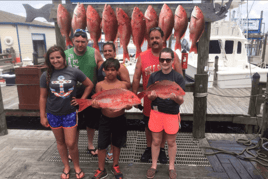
(80, 32)
(168, 60)
(156, 28)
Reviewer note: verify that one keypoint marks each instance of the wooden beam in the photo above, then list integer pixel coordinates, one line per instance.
(3, 123)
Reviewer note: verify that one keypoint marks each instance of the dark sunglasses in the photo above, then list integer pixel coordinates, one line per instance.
(168, 60)
(84, 35)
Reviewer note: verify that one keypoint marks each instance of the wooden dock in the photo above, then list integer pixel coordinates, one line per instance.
(221, 106)
(21, 152)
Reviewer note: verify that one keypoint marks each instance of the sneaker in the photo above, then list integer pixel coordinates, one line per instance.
(117, 173)
(162, 156)
(100, 174)
(172, 174)
(146, 155)
(150, 173)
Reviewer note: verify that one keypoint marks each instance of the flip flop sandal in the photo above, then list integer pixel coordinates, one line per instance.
(109, 156)
(69, 158)
(79, 174)
(92, 150)
(65, 174)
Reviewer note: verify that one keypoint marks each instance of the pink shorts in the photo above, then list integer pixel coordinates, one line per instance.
(161, 121)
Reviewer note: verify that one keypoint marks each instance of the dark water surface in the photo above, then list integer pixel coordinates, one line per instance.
(186, 126)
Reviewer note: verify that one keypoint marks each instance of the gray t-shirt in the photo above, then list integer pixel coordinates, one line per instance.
(62, 89)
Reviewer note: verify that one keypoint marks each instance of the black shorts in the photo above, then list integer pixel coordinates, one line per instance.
(117, 127)
(145, 120)
(89, 117)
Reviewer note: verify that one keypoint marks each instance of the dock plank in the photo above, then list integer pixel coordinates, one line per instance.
(230, 171)
(242, 172)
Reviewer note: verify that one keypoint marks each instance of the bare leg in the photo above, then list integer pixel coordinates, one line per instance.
(157, 139)
(116, 155)
(164, 138)
(101, 158)
(62, 148)
(172, 149)
(90, 136)
(70, 140)
(148, 135)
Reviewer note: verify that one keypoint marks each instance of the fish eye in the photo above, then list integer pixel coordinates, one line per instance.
(124, 16)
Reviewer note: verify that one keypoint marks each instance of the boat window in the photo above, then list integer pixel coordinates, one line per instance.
(214, 47)
(229, 45)
(239, 45)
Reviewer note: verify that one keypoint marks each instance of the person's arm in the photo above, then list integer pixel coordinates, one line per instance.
(124, 75)
(42, 107)
(178, 99)
(89, 86)
(137, 76)
(177, 64)
(98, 88)
(98, 58)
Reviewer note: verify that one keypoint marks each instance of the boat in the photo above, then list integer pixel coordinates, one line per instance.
(228, 43)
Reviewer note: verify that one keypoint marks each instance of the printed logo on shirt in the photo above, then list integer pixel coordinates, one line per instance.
(151, 69)
(61, 81)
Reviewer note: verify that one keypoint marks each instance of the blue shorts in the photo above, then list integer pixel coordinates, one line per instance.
(59, 121)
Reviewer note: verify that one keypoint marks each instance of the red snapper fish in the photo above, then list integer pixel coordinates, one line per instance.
(115, 99)
(93, 25)
(124, 31)
(64, 22)
(151, 20)
(163, 89)
(166, 22)
(138, 29)
(180, 25)
(109, 23)
(79, 20)
(196, 27)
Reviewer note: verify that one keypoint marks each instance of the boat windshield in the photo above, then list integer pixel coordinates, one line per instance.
(229, 45)
(239, 50)
(214, 47)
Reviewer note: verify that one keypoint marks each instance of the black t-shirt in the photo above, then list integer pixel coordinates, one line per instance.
(166, 105)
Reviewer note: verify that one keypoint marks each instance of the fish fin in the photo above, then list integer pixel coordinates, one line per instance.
(96, 46)
(200, 35)
(83, 103)
(193, 49)
(141, 95)
(178, 45)
(125, 56)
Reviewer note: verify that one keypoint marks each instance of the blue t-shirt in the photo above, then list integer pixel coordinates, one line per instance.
(62, 88)
(166, 105)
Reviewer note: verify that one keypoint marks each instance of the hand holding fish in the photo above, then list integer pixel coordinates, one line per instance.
(178, 99)
(74, 102)
(95, 104)
(152, 96)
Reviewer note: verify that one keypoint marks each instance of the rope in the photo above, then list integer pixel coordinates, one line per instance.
(200, 95)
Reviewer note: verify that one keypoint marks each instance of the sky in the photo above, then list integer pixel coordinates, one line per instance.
(254, 7)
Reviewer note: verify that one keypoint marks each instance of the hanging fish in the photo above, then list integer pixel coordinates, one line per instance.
(124, 31)
(196, 27)
(180, 25)
(93, 26)
(109, 23)
(64, 22)
(166, 22)
(151, 20)
(79, 20)
(138, 29)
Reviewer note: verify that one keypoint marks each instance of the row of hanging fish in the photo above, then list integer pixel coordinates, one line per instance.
(120, 25)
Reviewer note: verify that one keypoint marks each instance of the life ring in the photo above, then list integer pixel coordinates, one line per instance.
(8, 40)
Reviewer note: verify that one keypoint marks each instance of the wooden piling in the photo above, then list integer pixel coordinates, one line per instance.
(215, 79)
(252, 110)
(201, 85)
(59, 39)
(3, 123)
(265, 111)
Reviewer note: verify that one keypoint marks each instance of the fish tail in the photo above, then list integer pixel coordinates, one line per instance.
(138, 51)
(178, 45)
(193, 49)
(83, 103)
(125, 56)
(141, 95)
(68, 42)
(95, 45)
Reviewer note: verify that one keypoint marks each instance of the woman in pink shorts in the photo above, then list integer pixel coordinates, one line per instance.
(164, 115)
